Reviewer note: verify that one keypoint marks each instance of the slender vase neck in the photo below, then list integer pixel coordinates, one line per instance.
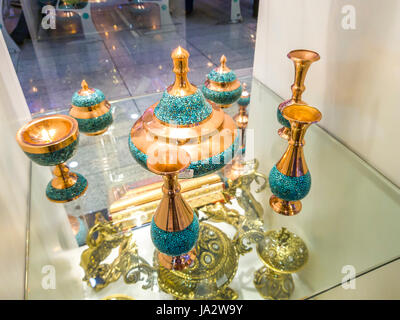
(301, 68)
(293, 163)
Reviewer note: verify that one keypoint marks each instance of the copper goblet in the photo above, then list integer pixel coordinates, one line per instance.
(51, 141)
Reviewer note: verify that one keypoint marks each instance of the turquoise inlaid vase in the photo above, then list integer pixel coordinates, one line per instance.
(183, 117)
(222, 86)
(92, 111)
(290, 179)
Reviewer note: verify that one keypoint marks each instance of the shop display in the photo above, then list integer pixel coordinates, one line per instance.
(174, 227)
(302, 60)
(183, 117)
(283, 253)
(51, 141)
(222, 86)
(92, 111)
(289, 179)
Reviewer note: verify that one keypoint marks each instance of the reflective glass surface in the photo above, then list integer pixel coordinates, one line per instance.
(349, 219)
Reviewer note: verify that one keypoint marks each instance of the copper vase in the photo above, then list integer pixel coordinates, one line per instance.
(302, 60)
(290, 179)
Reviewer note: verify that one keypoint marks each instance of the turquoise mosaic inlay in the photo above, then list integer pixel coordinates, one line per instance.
(282, 120)
(88, 100)
(222, 97)
(175, 243)
(289, 188)
(54, 158)
(221, 77)
(244, 101)
(183, 110)
(200, 168)
(95, 124)
(68, 193)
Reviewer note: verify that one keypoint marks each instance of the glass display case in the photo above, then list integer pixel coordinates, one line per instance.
(245, 249)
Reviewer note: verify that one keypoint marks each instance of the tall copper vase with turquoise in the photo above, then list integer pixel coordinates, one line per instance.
(174, 228)
(222, 86)
(302, 60)
(183, 117)
(51, 141)
(92, 111)
(290, 179)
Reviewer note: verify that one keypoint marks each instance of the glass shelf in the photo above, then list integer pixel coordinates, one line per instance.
(350, 217)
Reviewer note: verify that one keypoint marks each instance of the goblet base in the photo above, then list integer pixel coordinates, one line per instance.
(283, 207)
(97, 133)
(273, 285)
(62, 195)
(284, 133)
(177, 262)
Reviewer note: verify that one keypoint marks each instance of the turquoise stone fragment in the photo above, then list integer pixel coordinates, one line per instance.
(289, 188)
(55, 157)
(183, 110)
(175, 243)
(282, 119)
(68, 194)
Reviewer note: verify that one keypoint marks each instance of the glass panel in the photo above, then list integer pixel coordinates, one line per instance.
(350, 216)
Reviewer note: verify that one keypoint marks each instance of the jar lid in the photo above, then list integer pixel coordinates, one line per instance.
(87, 97)
(222, 73)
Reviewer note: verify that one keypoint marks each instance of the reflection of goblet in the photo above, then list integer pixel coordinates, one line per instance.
(283, 253)
(302, 60)
(174, 228)
(51, 141)
(290, 179)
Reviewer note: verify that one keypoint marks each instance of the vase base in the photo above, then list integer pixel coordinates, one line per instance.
(283, 207)
(284, 133)
(97, 133)
(177, 262)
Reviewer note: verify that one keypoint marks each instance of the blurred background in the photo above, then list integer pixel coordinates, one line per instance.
(122, 47)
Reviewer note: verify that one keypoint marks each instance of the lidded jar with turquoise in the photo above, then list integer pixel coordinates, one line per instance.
(92, 110)
(222, 86)
(184, 118)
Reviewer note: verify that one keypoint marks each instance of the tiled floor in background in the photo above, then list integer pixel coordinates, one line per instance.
(127, 57)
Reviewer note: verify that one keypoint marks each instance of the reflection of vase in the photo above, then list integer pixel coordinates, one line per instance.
(183, 117)
(92, 111)
(289, 179)
(302, 60)
(174, 228)
(222, 86)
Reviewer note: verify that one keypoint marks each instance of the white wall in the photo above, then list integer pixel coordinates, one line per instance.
(356, 82)
(14, 177)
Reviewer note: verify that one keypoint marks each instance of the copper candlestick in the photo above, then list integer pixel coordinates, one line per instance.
(174, 228)
(302, 60)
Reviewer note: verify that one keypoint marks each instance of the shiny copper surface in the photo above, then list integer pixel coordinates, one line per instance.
(201, 142)
(173, 212)
(47, 134)
(293, 163)
(223, 68)
(63, 178)
(286, 208)
(222, 86)
(284, 133)
(182, 86)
